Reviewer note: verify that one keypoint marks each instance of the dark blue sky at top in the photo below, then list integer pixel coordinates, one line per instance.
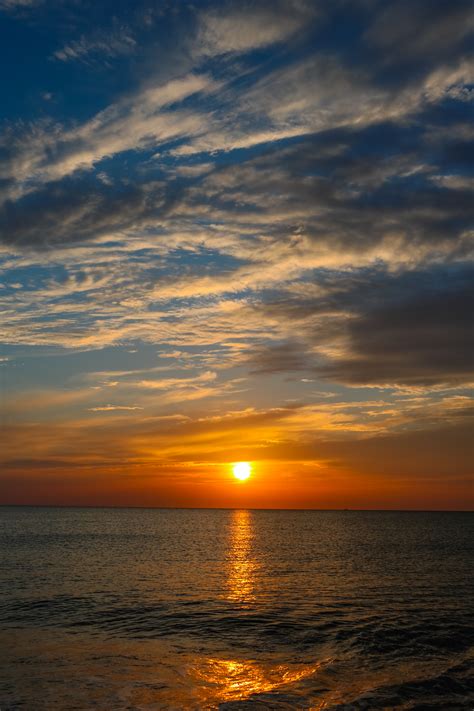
(30, 36)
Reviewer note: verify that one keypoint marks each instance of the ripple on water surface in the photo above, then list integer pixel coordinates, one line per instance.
(152, 609)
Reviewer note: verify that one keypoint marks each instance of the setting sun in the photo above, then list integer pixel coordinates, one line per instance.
(242, 470)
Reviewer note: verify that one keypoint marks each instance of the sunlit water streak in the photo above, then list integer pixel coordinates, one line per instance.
(160, 609)
(242, 567)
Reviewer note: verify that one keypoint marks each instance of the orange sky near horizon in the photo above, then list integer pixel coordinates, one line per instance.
(392, 472)
(335, 453)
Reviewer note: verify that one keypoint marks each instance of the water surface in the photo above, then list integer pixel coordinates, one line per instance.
(207, 609)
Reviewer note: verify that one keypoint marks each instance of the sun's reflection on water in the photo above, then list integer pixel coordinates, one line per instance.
(242, 566)
(239, 679)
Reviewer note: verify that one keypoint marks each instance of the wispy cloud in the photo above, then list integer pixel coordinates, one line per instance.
(250, 26)
(103, 45)
(18, 4)
(46, 153)
(113, 408)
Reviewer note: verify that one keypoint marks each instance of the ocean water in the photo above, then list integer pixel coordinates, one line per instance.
(221, 609)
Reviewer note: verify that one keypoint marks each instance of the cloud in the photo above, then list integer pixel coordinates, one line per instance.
(176, 383)
(408, 329)
(113, 408)
(410, 30)
(321, 92)
(425, 337)
(46, 153)
(101, 43)
(346, 197)
(246, 26)
(280, 358)
(17, 4)
(441, 451)
(316, 118)
(72, 210)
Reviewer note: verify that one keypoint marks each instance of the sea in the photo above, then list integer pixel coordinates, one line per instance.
(104, 608)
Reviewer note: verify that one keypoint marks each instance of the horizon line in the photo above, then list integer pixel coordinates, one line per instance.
(229, 508)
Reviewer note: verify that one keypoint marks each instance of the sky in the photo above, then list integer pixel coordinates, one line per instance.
(236, 231)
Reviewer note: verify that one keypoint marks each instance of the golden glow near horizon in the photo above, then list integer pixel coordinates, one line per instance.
(241, 470)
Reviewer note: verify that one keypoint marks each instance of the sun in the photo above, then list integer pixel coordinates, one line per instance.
(241, 470)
